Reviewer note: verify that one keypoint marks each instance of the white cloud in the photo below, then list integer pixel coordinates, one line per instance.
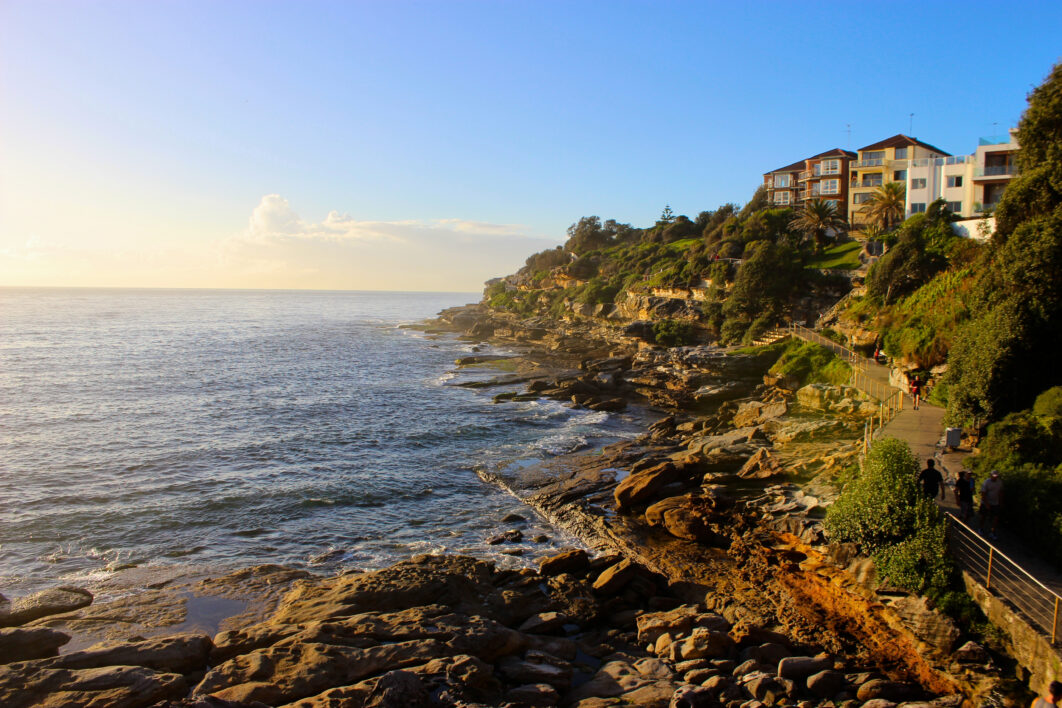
(281, 249)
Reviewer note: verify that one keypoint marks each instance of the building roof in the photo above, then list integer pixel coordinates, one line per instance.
(901, 140)
(795, 167)
(836, 152)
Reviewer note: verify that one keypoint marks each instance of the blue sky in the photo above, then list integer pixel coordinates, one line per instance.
(205, 144)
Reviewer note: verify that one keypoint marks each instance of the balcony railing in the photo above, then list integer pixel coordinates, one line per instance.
(867, 184)
(940, 161)
(994, 171)
(869, 163)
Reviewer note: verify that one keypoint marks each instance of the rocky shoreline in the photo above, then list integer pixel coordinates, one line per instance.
(711, 586)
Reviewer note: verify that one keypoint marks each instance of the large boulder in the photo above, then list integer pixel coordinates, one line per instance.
(677, 622)
(752, 413)
(643, 486)
(762, 465)
(52, 601)
(27, 684)
(573, 561)
(24, 643)
(615, 577)
(176, 653)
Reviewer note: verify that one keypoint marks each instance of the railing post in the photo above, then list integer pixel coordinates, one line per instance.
(988, 580)
(1054, 624)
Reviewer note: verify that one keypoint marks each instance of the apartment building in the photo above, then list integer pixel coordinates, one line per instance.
(885, 161)
(823, 176)
(782, 183)
(994, 167)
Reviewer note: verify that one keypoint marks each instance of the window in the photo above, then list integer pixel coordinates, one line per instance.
(834, 202)
(955, 180)
(781, 181)
(955, 207)
(770, 183)
(862, 197)
(830, 186)
(899, 175)
(918, 207)
(781, 197)
(874, 155)
(901, 153)
(831, 167)
(918, 183)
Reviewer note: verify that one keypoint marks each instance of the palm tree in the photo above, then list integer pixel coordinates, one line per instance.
(886, 205)
(817, 219)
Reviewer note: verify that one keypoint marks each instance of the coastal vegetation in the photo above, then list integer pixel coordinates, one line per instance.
(883, 510)
(810, 363)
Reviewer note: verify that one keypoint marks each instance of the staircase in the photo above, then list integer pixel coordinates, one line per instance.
(772, 336)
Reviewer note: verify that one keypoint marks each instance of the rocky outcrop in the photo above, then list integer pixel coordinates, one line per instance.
(46, 602)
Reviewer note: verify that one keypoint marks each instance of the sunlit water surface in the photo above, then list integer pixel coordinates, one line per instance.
(243, 427)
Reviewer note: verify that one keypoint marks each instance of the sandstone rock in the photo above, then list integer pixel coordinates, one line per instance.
(175, 653)
(879, 703)
(702, 643)
(799, 668)
(41, 604)
(693, 697)
(826, 684)
(24, 643)
(610, 405)
(769, 653)
(751, 666)
(932, 627)
(894, 691)
(699, 676)
(678, 621)
(762, 465)
(26, 684)
(613, 578)
(289, 671)
(574, 561)
(753, 413)
(510, 536)
(971, 653)
(543, 623)
(702, 445)
(717, 684)
(766, 689)
(522, 672)
(533, 694)
(642, 486)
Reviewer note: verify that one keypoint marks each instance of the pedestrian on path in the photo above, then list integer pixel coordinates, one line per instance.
(991, 500)
(915, 386)
(964, 495)
(931, 481)
(1053, 697)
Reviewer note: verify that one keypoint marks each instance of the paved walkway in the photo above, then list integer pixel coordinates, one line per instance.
(923, 430)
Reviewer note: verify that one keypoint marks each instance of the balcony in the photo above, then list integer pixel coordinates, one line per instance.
(868, 163)
(995, 171)
(867, 184)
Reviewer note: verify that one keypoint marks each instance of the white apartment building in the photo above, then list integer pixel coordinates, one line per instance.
(970, 184)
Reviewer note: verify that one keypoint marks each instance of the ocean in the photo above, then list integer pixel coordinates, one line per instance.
(143, 428)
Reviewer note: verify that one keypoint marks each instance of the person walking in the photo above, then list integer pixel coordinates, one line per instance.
(964, 495)
(991, 500)
(931, 480)
(1053, 697)
(916, 390)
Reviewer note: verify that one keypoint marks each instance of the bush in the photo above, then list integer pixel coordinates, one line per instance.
(884, 511)
(1049, 403)
(673, 333)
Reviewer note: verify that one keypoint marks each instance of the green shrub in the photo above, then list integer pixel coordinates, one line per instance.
(673, 333)
(1049, 403)
(884, 512)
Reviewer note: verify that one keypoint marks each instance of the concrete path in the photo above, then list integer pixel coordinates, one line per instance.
(923, 430)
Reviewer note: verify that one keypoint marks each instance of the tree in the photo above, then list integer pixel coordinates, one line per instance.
(886, 204)
(667, 216)
(817, 219)
(1007, 353)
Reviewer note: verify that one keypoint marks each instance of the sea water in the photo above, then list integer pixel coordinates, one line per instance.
(144, 428)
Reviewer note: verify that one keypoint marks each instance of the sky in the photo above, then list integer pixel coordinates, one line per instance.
(394, 145)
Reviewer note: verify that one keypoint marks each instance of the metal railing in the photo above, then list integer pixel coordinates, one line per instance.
(1006, 579)
(874, 162)
(995, 171)
(889, 398)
